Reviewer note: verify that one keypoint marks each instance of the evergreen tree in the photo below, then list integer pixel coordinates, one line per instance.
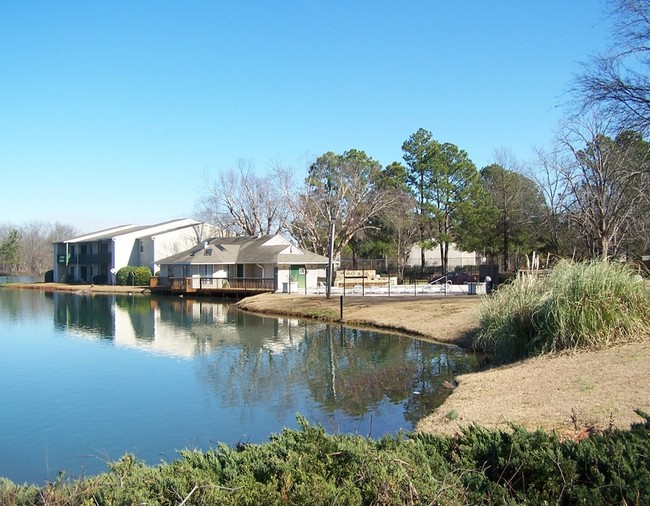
(10, 252)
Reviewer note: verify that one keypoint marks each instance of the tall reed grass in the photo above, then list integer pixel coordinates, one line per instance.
(589, 305)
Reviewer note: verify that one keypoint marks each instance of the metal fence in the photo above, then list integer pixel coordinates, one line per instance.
(411, 272)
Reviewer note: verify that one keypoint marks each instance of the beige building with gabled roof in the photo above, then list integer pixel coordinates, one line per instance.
(229, 261)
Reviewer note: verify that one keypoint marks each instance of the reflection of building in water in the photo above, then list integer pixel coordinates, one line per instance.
(174, 327)
(288, 333)
(196, 329)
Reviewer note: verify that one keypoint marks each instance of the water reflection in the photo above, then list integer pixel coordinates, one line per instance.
(172, 372)
(357, 370)
(169, 326)
(253, 359)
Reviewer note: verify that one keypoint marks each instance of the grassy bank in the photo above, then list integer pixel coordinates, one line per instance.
(451, 320)
(308, 466)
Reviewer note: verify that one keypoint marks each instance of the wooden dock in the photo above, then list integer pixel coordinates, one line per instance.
(212, 287)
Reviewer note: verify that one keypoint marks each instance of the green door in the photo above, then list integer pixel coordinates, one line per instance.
(298, 273)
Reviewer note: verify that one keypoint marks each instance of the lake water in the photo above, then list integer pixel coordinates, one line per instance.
(85, 379)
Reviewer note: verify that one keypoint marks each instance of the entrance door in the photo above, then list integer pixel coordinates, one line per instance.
(298, 273)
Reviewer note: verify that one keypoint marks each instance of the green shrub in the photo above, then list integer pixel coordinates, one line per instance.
(142, 275)
(577, 306)
(479, 466)
(125, 276)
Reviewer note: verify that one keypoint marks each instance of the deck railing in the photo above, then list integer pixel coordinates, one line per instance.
(221, 283)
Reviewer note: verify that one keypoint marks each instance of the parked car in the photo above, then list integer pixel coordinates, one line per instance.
(461, 277)
(455, 278)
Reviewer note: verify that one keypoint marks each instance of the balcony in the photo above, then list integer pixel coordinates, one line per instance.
(95, 258)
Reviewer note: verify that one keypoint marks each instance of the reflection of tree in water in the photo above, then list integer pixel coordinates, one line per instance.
(348, 370)
(363, 369)
(15, 303)
(90, 314)
(354, 370)
(264, 366)
(432, 371)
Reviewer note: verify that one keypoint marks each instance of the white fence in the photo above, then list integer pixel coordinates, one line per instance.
(403, 290)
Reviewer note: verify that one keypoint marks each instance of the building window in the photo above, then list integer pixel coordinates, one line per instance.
(206, 270)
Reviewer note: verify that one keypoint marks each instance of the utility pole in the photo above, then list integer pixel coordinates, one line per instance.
(328, 290)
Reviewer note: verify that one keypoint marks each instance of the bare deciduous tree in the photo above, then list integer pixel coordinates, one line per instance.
(240, 201)
(30, 245)
(36, 256)
(404, 227)
(553, 222)
(605, 182)
(340, 190)
(618, 82)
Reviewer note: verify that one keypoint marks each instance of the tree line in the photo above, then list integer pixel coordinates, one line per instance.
(27, 249)
(585, 197)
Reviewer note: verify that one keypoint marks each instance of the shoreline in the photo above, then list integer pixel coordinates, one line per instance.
(64, 287)
(570, 393)
(451, 320)
(573, 394)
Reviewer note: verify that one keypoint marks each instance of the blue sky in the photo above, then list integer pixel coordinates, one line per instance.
(112, 112)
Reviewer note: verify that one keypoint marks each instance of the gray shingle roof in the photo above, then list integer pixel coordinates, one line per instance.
(244, 250)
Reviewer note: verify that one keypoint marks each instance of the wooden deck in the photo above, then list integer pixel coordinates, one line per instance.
(212, 287)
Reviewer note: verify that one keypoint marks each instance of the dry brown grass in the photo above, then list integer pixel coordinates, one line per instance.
(450, 319)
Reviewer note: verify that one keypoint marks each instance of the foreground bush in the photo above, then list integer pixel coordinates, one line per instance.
(577, 306)
(310, 467)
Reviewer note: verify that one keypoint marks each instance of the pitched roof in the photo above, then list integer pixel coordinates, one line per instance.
(147, 230)
(245, 250)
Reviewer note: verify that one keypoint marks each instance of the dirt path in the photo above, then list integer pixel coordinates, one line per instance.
(568, 393)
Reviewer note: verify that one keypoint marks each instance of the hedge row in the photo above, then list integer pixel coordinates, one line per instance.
(308, 466)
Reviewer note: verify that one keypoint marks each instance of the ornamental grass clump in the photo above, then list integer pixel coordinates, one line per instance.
(508, 319)
(594, 305)
(589, 305)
